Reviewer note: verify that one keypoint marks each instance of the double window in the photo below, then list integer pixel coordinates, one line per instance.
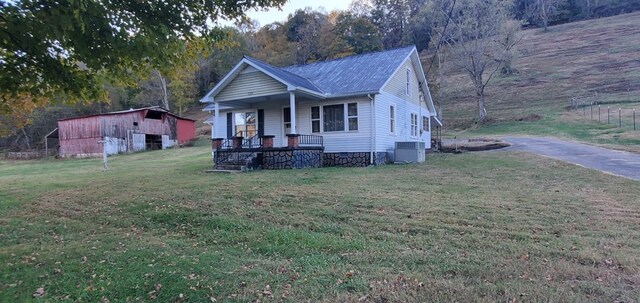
(338, 117)
(414, 125)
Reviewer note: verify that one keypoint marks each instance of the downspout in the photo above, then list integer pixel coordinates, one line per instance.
(373, 130)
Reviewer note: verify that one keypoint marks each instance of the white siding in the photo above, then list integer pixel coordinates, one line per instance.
(250, 84)
(394, 93)
(340, 141)
(398, 83)
(273, 124)
(385, 140)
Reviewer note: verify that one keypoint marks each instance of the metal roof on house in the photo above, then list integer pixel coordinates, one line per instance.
(363, 73)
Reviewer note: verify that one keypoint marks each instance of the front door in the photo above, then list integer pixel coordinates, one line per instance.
(245, 124)
(286, 120)
(286, 124)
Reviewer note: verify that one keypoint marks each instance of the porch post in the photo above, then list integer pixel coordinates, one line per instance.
(292, 106)
(216, 122)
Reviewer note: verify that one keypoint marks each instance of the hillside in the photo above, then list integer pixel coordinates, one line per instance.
(572, 60)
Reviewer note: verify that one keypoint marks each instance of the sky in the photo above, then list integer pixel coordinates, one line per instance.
(291, 6)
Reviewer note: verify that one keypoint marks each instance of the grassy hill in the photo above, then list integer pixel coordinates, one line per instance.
(572, 60)
(490, 227)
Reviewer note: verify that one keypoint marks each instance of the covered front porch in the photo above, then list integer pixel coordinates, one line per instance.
(251, 118)
(239, 153)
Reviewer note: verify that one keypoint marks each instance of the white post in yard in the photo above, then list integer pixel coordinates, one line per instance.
(104, 154)
(216, 121)
(104, 144)
(292, 105)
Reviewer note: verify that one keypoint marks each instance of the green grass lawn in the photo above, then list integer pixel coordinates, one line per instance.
(487, 227)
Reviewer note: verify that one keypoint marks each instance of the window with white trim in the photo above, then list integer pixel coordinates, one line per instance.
(425, 123)
(352, 115)
(392, 119)
(333, 118)
(338, 117)
(414, 125)
(408, 87)
(315, 119)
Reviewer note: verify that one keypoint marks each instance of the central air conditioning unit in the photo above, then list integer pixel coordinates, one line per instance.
(409, 152)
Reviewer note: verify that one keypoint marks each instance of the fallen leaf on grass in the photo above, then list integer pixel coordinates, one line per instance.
(39, 292)
(524, 257)
(267, 291)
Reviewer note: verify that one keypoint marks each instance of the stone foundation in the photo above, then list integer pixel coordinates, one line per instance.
(351, 159)
(301, 157)
(381, 158)
(291, 158)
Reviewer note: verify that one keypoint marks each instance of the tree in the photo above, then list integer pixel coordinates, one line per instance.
(306, 28)
(67, 48)
(273, 46)
(391, 18)
(222, 56)
(354, 35)
(481, 38)
(183, 89)
(361, 8)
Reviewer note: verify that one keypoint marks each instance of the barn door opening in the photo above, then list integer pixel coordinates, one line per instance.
(153, 142)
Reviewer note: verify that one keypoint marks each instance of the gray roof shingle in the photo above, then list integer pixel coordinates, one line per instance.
(363, 73)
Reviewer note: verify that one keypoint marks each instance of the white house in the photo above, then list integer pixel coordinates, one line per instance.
(359, 105)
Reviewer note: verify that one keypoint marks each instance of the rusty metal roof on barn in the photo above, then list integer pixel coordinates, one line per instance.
(132, 110)
(363, 73)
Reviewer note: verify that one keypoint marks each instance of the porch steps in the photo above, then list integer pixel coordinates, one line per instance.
(224, 171)
(233, 165)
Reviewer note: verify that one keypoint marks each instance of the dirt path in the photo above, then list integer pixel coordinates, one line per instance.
(619, 163)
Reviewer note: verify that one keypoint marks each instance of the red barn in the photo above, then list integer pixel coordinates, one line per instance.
(131, 130)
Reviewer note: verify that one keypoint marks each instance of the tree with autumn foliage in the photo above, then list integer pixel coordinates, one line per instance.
(67, 48)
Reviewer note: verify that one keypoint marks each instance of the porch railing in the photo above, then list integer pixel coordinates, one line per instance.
(310, 140)
(256, 142)
(252, 142)
(228, 142)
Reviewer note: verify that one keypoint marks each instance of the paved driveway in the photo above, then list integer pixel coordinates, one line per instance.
(614, 162)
